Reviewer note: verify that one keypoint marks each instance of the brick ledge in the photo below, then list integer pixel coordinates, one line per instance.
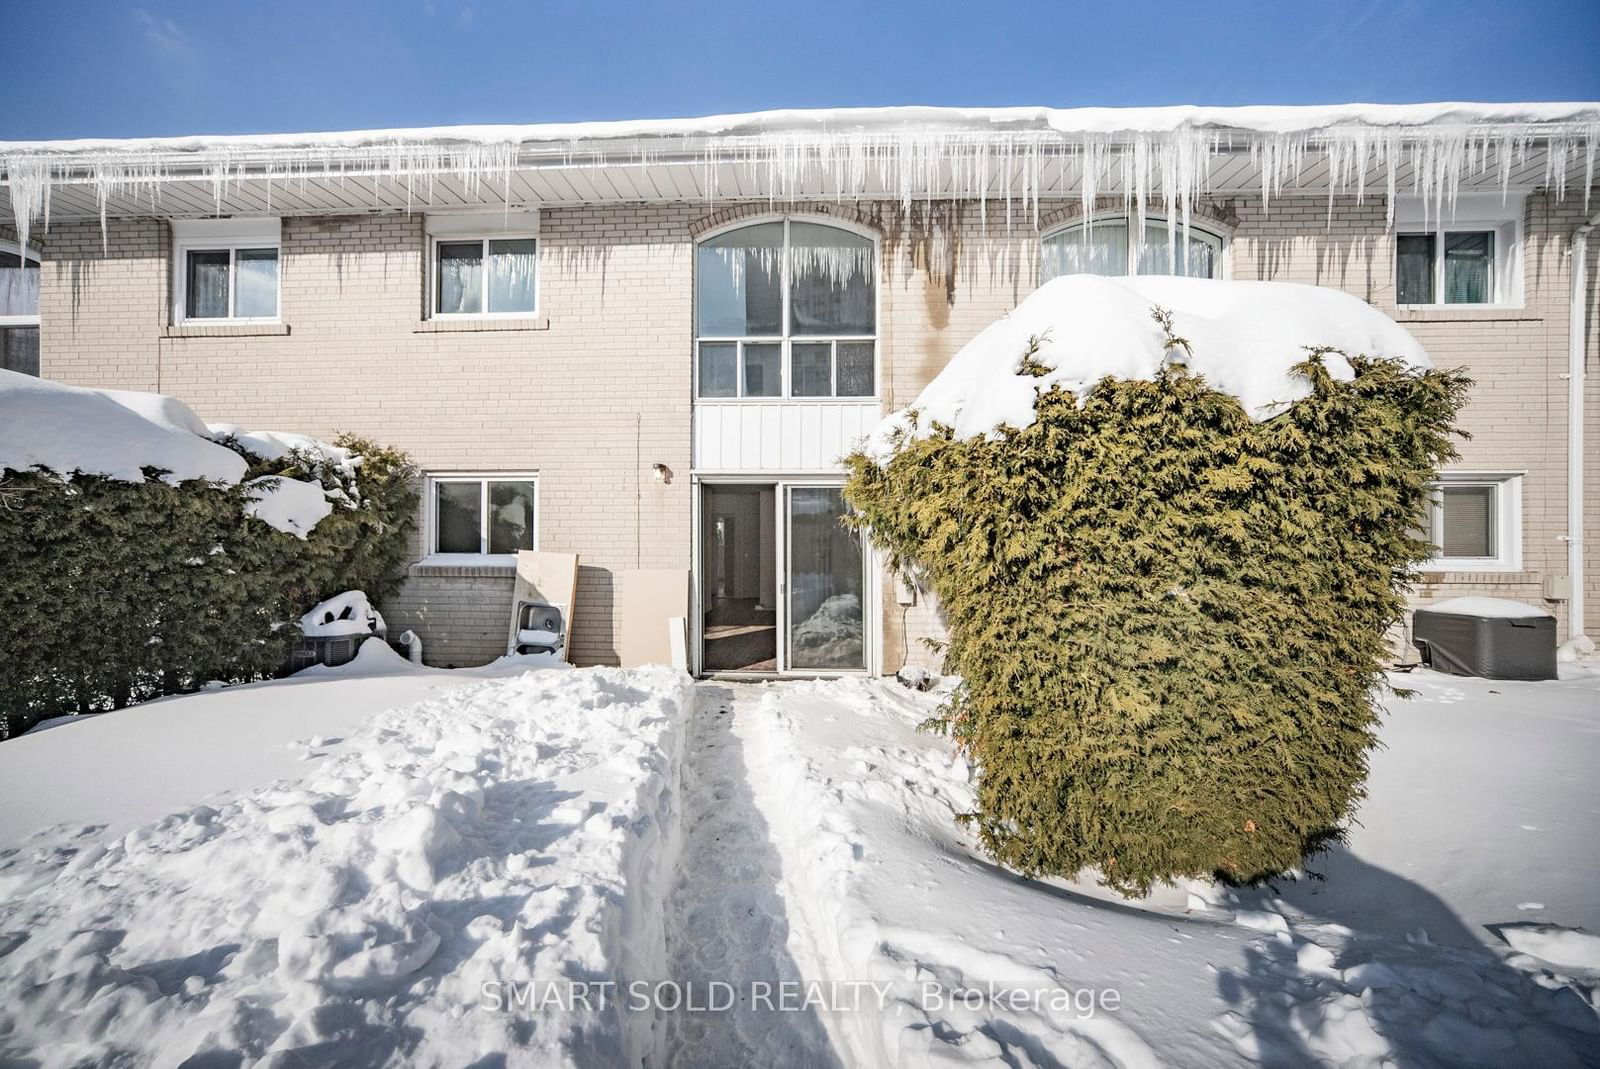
(422, 569)
(471, 326)
(226, 330)
(1465, 315)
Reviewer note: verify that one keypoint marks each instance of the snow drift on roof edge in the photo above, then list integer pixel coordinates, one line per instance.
(1278, 119)
(1245, 337)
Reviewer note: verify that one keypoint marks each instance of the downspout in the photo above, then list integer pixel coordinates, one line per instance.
(1577, 343)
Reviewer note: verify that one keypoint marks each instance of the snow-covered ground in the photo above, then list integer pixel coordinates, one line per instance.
(358, 866)
(373, 909)
(1482, 812)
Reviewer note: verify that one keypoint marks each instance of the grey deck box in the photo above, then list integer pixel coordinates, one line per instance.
(1488, 646)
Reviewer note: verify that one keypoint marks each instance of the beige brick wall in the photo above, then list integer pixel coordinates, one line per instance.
(595, 399)
(589, 403)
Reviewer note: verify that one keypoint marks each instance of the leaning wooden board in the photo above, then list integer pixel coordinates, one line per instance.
(651, 598)
(551, 578)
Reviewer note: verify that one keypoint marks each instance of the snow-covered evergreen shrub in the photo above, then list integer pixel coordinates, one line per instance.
(1168, 619)
(113, 592)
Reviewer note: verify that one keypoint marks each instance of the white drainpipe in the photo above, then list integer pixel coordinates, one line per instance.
(1575, 374)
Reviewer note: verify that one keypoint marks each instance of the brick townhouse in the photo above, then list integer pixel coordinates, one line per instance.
(649, 343)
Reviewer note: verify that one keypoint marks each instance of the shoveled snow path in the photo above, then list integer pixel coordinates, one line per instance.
(726, 920)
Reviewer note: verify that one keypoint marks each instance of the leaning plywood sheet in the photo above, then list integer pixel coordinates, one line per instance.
(548, 579)
(651, 597)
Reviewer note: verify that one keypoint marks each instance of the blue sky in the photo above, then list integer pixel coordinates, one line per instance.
(81, 69)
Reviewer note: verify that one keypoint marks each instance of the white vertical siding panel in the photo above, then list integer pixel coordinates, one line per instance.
(771, 457)
(804, 436)
(789, 438)
(811, 452)
(750, 431)
(729, 438)
(829, 435)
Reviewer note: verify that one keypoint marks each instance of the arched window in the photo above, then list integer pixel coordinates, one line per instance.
(786, 308)
(1102, 248)
(19, 310)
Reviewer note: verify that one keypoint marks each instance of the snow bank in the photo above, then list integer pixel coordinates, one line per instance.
(118, 433)
(1375, 965)
(368, 912)
(68, 429)
(349, 613)
(1495, 608)
(1244, 338)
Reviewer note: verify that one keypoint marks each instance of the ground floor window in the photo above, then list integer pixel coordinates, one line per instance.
(1453, 267)
(19, 349)
(482, 515)
(1474, 522)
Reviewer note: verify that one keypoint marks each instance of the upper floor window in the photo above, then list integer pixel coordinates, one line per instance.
(225, 270)
(483, 264)
(1105, 247)
(485, 276)
(19, 310)
(1471, 257)
(786, 308)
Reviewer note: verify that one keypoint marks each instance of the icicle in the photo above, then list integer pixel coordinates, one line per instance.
(1019, 167)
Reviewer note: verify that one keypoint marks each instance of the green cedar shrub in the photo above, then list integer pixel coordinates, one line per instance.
(114, 592)
(1168, 620)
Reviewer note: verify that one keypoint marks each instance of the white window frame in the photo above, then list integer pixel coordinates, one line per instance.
(219, 235)
(1507, 487)
(785, 340)
(499, 224)
(23, 322)
(24, 255)
(1474, 213)
(1224, 242)
(484, 478)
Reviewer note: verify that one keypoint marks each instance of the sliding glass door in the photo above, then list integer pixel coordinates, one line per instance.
(825, 621)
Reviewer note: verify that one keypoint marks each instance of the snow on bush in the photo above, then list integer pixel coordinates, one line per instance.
(122, 434)
(116, 434)
(513, 831)
(1244, 339)
(143, 557)
(1167, 609)
(292, 506)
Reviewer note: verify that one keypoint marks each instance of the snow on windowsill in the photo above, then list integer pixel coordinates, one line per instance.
(225, 330)
(470, 324)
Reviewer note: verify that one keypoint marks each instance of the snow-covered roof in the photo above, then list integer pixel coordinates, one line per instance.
(1018, 154)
